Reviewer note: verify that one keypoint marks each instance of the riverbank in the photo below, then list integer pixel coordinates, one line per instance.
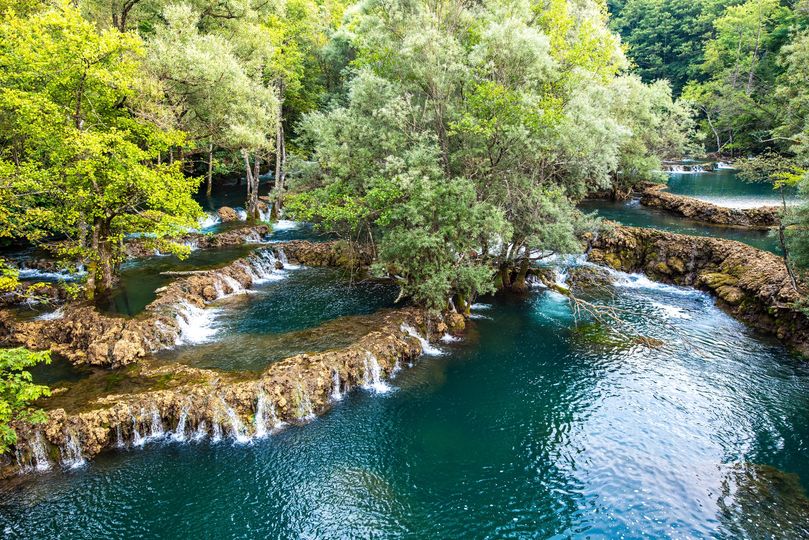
(750, 284)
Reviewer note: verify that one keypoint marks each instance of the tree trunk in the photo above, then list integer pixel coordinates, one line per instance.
(280, 163)
(782, 240)
(252, 188)
(101, 271)
(209, 176)
(519, 284)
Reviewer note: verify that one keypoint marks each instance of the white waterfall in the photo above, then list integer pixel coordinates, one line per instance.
(234, 286)
(52, 315)
(138, 440)
(253, 238)
(216, 432)
(262, 267)
(39, 453)
(71, 452)
(372, 375)
(119, 437)
(179, 431)
(156, 425)
(336, 393)
(196, 324)
(201, 432)
(449, 338)
(238, 430)
(426, 347)
(260, 420)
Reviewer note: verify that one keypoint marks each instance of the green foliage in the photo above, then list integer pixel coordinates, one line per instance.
(494, 119)
(665, 37)
(741, 66)
(75, 154)
(17, 392)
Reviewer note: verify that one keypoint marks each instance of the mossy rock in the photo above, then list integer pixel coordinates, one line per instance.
(731, 295)
(715, 280)
(676, 264)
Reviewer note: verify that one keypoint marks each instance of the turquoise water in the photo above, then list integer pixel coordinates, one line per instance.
(139, 278)
(634, 214)
(526, 428)
(282, 318)
(725, 188)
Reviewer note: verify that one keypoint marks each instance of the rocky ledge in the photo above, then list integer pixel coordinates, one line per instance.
(195, 403)
(655, 196)
(750, 284)
(86, 336)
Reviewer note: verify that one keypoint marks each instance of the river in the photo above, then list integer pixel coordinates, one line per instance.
(531, 425)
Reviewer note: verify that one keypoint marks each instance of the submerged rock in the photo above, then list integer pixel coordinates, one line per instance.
(753, 285)
(655, 196)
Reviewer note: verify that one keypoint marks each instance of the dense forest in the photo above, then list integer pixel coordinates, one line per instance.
(452, 139)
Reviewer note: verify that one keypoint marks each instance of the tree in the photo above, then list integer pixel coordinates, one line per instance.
(665, 37)
(741, 69)
(517, 100)
(785, 174)
(81, 163)
(659, 127)
(210, 92)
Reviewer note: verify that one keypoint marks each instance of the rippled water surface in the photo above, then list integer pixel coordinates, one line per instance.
(529, 427)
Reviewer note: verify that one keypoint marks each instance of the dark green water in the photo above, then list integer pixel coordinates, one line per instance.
(632, 213)
(527, 428)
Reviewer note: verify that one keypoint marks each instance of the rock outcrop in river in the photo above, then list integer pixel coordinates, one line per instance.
(86, 336)
(655, 196)
(751, 284)
(187, 403)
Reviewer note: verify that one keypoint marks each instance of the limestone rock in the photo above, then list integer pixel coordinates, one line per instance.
(227, 214)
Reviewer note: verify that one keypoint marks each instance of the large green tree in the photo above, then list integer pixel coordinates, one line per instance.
(83, 165)
(519, 101)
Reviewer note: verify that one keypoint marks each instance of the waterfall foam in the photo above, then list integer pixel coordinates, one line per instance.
(238, 430)
(41, 462)
(71, 452)
(336, 393)
(196, 324)
(201, 431)
(52, 315)
(372, 375)
(179, 432)
(426, 347)
(156, 425)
